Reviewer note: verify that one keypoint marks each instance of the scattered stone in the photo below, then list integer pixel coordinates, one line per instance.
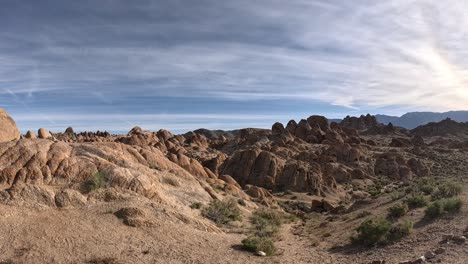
(261, 254)
(429, 255)
(439, 251)
(459, 239)
(447, 237)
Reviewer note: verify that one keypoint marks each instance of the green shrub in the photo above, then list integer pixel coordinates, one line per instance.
(401, 230)
(266, 222)
(452, 205)
(416, 201)
(397, 211)
(372, 231)
(94, 182)
(396, 195)
(363, 214)
(222, 212)
(447, 190)
(255, 244)
(196, 205)
(427, 189)
(442, 207)
(241, 202)
(435, 209)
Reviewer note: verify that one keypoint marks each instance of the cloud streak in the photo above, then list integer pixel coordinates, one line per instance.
(343, 56)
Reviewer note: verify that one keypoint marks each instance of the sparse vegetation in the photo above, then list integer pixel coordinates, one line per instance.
(453, 205)
(196, 205)
(416, 201)
(363, 214)
(397, 211)
(255, 244)
(427, 189)
(95, 182)
(400, 230)
(222, 212)
(241, 202)
(171, 181)
(380, 231)
(397, 195)
(425, 185)
(434, 210)
(372, 231)
(442, 207)
(154, 166)
(447, 190)
(266, 222)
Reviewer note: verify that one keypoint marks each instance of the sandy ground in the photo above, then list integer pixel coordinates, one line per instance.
(89, 234)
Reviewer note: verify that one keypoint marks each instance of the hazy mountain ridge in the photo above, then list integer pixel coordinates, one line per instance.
(414, 119)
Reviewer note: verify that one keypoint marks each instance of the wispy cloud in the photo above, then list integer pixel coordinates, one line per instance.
(361, 55)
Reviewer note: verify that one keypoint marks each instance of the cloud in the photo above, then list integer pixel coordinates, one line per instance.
(361, 55)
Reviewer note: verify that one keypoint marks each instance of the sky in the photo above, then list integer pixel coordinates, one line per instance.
(186, 64)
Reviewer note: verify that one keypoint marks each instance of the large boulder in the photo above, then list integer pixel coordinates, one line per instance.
(43, 133)
(8, 129)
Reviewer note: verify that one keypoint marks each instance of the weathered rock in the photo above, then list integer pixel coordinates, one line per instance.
(69, 198)
(228, 179)
(30, 134)
(44, 134)
(277, 129)
(8, 129)
(439, 251)
(418, 141)
(401, 143)
(429, 255)
(133, 216)
(69, 130)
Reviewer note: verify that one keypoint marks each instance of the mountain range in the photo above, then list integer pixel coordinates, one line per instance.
(414, 119)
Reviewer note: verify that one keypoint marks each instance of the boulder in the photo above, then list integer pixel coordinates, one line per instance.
(8, 129)
(43, 133)
(69, 130)
(277, 129)
(30, 134)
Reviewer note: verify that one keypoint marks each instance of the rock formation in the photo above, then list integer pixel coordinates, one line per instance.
(8, 129)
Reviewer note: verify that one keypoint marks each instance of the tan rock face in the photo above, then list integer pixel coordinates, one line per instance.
(43, 133)
(8, 129)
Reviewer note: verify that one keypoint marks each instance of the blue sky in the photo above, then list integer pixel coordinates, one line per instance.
(182, 65)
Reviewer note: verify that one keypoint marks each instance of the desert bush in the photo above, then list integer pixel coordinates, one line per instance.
(442, 207)
(94, 182)
(372, 231)
(397, 211)
(196, 205)
(447, 190)
(266, 222)
(241, 202)
(416, 201)
(171, 180)
(397, 195)
(255, 244)
(435, 209)
(427, 189)
(363, 214)
(222, 212)
(154, 166)
(400, 230)
(452, 205)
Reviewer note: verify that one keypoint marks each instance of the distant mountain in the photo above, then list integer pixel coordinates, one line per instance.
(414, 119)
